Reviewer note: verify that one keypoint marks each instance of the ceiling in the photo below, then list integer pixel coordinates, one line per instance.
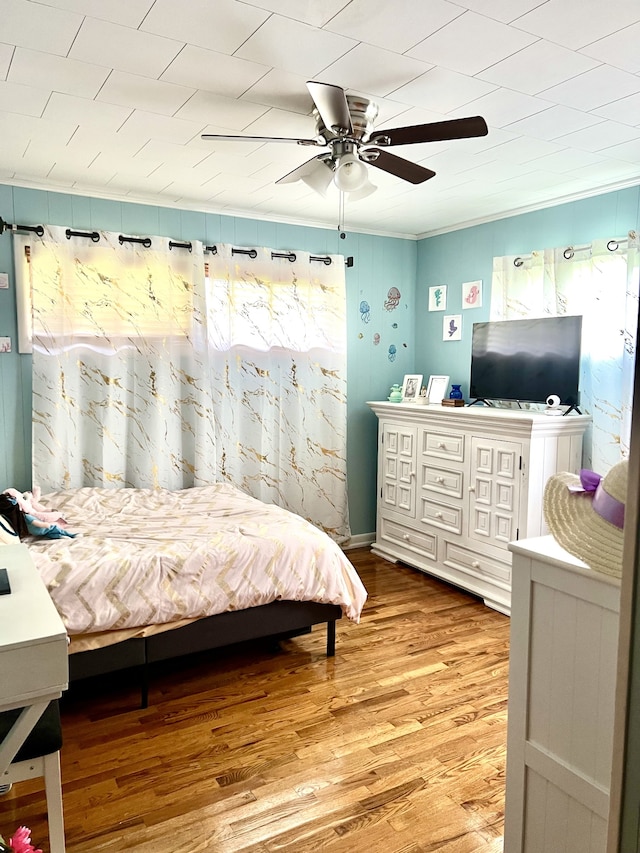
(108, 98)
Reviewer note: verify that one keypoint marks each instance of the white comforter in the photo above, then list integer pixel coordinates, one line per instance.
(152, 556)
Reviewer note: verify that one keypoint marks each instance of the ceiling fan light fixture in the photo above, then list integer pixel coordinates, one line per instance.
(350, 174)
(319, 179)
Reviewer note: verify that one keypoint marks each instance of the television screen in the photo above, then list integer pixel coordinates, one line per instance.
(527, 360)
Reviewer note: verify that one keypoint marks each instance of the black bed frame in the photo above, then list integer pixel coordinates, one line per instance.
(276, 620)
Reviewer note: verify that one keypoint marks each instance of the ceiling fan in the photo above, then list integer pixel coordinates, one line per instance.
(345, 126)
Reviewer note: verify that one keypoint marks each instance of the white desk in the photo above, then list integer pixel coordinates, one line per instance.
(33, 648)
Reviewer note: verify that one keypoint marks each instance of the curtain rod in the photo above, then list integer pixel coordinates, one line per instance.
(146, 242)
(613, 245)
(7, 226)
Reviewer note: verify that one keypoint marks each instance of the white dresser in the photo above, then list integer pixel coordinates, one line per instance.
(562, 672)
(456, 485)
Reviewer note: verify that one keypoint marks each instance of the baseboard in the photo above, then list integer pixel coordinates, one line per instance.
(361, 540)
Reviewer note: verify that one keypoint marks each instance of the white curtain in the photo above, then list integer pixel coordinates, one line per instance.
(599, 282)
(154, 369)
(277, 332)
(121, 393)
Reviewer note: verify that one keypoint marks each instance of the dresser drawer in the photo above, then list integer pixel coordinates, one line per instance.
(478, 564)
(441, 481)
(443, 445)
(441, 515)
(425, 543)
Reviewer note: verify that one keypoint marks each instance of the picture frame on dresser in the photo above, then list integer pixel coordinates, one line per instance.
(437, 388)
(411, 385)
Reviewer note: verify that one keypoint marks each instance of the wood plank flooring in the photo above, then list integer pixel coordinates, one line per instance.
(396, 745)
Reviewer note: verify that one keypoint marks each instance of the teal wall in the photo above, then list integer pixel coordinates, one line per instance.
(467, 255)
(380, 263)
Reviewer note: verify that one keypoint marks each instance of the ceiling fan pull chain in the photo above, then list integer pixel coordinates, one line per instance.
(341, 230)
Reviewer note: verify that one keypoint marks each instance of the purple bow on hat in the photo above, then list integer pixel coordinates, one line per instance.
(604, 504)
(589, 481)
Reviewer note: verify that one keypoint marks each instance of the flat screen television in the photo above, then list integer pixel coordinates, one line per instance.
(527, 360)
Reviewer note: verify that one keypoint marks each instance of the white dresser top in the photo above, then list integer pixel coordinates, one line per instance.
(547, 550)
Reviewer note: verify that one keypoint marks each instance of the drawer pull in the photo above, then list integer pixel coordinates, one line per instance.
(440, 480)
(405, 536)
(442, 445)
(475, 564)
(472, 488)
(438, 514)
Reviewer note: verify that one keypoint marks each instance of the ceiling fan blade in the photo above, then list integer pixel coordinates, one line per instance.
(397, 166)
(261, 139)
(306, 169)
(331, 103)
(436, 131)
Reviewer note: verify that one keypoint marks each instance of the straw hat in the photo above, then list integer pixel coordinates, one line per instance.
(585, 514)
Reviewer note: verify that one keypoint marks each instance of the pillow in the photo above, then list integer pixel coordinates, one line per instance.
(8, 536)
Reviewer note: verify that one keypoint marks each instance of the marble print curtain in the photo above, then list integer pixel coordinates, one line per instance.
(121, 391)
(599, 282)
(277, 335)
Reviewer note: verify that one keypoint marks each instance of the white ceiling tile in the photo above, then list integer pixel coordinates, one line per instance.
(314, 12)
(95, 140)
(143, 126)
(69, 76)
(86, 112)
(371, 69)
(282, 123)
(479, 42)
(617, 170)
(171, 154)
(619, 49)
(594, 88)
(442, 91)
(506, 11)
(143, 93)
(625, 110)
(207, 108)
(111, 129)
(396, 26)
(123, 48)
(553, 122)
(15, 98)
(207, 69)
(537, 67)
(27, 128)
(629, 151)
(38, 27)
(294, 47)
(6, 54)
(283, 90)
(130, 13)
(599, 136)
(525, 148)
(502, 107)
(222, 26)
(576, 23)
(567, 160)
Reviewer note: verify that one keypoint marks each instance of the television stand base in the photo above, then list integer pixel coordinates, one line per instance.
(480, 400)
(570, 409)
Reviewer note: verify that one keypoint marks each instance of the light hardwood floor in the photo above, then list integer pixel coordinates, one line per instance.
(396, 745)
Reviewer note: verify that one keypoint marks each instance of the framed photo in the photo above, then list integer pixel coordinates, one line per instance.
(437, 388)
(411, 387)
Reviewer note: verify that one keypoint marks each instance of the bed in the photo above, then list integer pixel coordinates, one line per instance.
(153, 574)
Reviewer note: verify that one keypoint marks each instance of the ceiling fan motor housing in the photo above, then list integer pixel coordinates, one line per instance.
(363, 115)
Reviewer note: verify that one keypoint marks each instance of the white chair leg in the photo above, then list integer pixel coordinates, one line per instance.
(53, 790)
